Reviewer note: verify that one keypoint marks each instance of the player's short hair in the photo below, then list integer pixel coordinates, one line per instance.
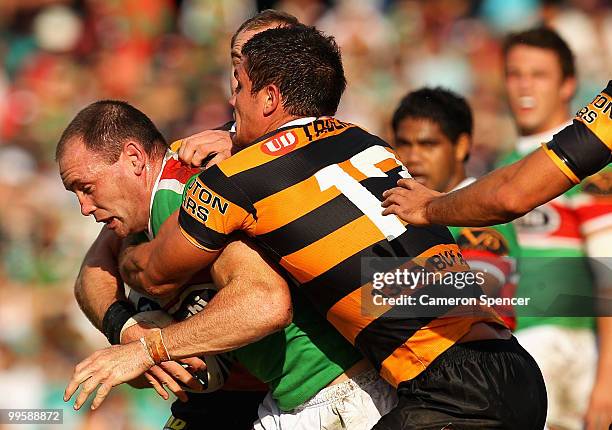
(303, 63)
(446, 108)
(546, 38)
(264, 19)
(104, 127)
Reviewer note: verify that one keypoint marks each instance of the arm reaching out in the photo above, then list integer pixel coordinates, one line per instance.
(579, 150)
(500, 196)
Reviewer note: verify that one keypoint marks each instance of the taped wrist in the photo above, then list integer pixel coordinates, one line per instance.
(114, 319)
(155, 346)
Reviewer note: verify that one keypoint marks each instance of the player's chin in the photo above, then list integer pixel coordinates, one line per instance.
(119, 228)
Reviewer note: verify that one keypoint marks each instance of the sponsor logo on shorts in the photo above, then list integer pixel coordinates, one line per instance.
(175, 424)
(280, 144)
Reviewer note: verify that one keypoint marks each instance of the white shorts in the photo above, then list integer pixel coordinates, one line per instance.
(568, 360)
(355, 404)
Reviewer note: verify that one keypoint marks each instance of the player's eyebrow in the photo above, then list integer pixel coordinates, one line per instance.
(70, 185)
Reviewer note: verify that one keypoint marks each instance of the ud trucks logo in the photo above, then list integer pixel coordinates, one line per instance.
(280, 144)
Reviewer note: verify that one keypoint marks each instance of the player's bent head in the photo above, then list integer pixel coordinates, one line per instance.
(106, 125)
(544, 38)
(432, 130)
(303, 63)
(105, 157)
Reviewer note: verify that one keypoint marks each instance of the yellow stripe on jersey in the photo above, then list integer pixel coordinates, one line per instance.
(412, 357)
(294, 202)
(280, 144)
(560, 164)
(304, 197)
(320, 256)
(352, 313)
(597, 116)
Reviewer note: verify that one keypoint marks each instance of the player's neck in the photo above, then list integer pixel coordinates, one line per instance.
(555, 121)
(455, 180)
(282, 121)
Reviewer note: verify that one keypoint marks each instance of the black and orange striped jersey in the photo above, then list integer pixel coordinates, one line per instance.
(584, 147)
(310, 195)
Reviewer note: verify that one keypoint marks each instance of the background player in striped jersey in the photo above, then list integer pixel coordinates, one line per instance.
(540, 83)
(317, 380)
(284, 189)
(432, 135)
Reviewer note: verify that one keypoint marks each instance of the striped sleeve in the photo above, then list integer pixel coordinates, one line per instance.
(212, 208)
(584, 147)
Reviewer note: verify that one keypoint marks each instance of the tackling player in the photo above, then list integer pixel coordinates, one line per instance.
(111, 156)
(307, 188)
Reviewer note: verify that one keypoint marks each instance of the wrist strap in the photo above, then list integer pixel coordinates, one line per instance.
(114, 319)
(155, 346)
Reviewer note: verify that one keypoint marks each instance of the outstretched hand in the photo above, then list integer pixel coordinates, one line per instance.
(106, 369)
(409, 201)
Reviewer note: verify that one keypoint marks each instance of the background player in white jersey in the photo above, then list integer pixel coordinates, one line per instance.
(540, 82)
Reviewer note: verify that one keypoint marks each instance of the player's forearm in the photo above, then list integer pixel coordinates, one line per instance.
(158, 268)
(98, 284)
(239, 314)
(502, 195)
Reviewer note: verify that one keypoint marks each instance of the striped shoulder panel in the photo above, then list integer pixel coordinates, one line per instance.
(168, 190)
(212, 209)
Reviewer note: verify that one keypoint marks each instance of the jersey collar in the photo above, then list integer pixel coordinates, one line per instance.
(169, 154)
(464, 183)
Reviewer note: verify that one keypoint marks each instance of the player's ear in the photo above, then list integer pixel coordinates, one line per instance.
(568, 88)
(135, 155)
(462, 147)
(272, 99)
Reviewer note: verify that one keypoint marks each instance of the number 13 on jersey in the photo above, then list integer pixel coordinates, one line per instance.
(365, 161)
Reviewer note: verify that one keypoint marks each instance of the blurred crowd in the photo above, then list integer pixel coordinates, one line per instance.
(170, 58)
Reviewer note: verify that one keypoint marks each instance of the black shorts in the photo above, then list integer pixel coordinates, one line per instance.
(218, 410)
(490, 384)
